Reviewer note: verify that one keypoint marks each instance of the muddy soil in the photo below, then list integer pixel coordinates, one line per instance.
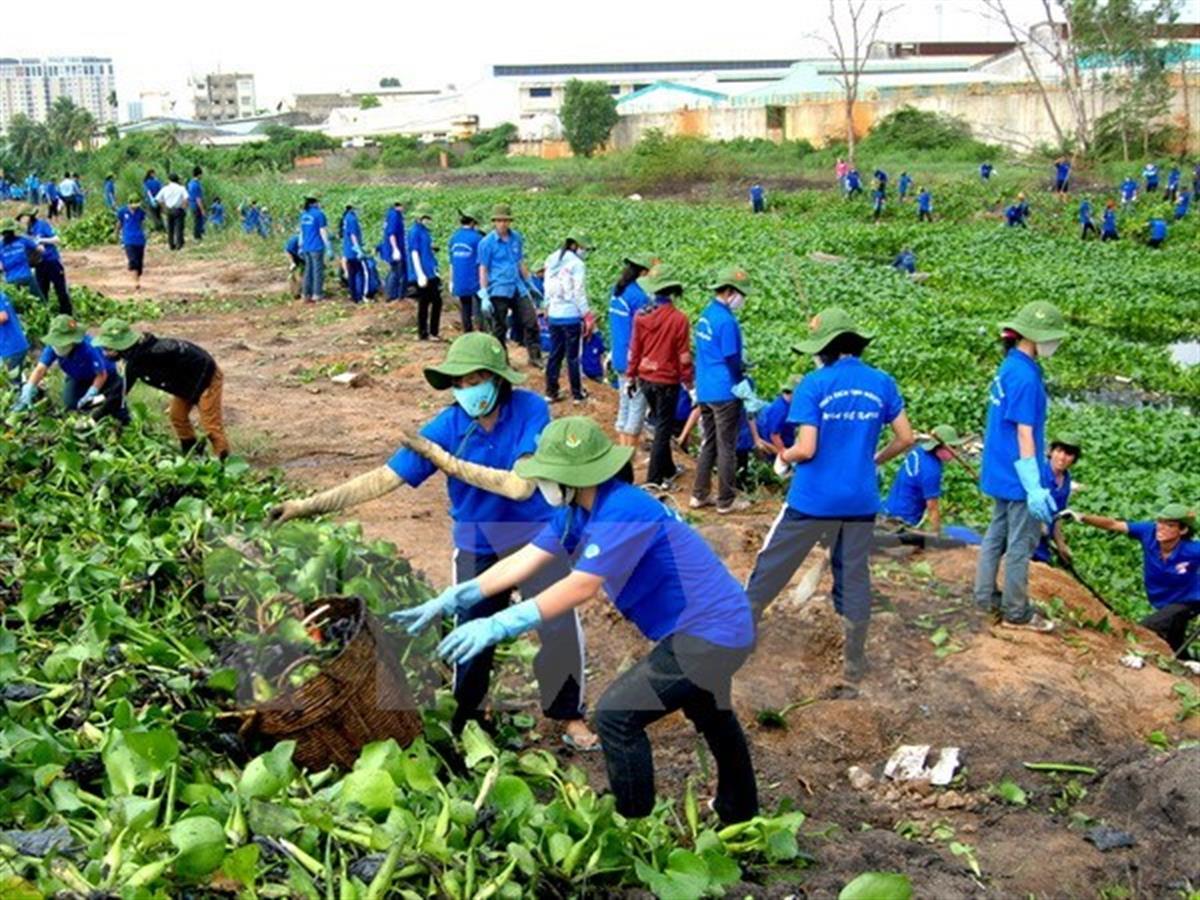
(1003, 697)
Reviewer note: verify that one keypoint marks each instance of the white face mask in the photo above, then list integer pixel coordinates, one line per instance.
(1045, 349)
(582, 253)
(736, 301)
(555, 494)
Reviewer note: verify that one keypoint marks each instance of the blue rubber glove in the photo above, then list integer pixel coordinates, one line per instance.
(456, 599)
(472, 638)
(1041, 504)
(484, 295)
(28, 391)
(88, 396)
(744, 391)
(485, 302)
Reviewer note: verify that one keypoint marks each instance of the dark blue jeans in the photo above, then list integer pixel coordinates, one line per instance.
(198, 220)
(691, 674)
(395, 280)
(113, 393)
(559, 665)
(564, 341)
(314, 275)
(354, 279)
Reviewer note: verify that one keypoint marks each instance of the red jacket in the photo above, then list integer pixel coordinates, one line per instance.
(661, 349)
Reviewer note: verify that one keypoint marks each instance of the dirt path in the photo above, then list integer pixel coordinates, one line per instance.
(1003, 697)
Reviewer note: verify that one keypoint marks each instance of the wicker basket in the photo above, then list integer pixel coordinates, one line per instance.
(359, 696)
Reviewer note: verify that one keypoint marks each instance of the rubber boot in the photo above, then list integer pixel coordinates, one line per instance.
(187, 445)
(854, 654)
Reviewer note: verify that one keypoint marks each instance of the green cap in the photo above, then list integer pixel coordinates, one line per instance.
(473, 352)
(943, 434)
(734, 277)
(576, 452)
(64, 332)
(27, 211)
(422, 211)
(1038, 321)
(660, 279)
(115, 334)
(1069, 442)
(643, 260)
(582, 238)
(9, 224)
(502, 211)
(827, 325)
(134, 198)
(1172, 512)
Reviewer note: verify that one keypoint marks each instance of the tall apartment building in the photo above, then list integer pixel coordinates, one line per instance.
(222, 97)
(31, 86)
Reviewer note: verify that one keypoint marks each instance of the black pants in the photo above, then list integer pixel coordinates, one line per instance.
(198, 220)
(467, 309)
(531, 334)
(719, 448)
(1088, 227)
(924, 216)
(559, 664)
(1171, 622)
(113, 393)
(176, 219)
(661, 400)
(564, 343)
(50, 274)
(429, 308)
(687, 673)
(1108, 236)
(156, 216)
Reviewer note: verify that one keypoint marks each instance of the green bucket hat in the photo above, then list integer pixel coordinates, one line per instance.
(472, 353)
(115, 334)
(1068, 442)
(64, 332)
(582, 238)
(575, 452)
(660, 279)
(643, 260)
(943, 434)
(1173, 512)
(1038, 321)
(134, 198)
(27, 211)
(9, 224)
(502, 211)
(473, 214)
(734, 277)
(422, 211)
(827, 325)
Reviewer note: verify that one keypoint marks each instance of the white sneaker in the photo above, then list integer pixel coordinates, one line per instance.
(697, 503)
(1037, 623)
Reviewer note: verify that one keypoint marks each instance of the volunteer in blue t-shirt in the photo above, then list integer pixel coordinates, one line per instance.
(131, 229)
(1170, 567)
(661, 576)
(840, 410)
(17, 253)
(626, 301)
(1156, 232)
(758, 198)
(391, 249)
(904, 185)
(92, 383)
(464, 268)
(772, 431)
(352, 252)
(1108, 227)
(476, 440)
(314, 240)
(1085, 218)
(1056, 478)
(917, 488)
(721, 390)
(295, 264)
(1014, 445)
(195, 191)
(13, 343)
(1128, 193)
(423, 274)
(110, 192)
(924, 206)
(1062, 175)
(151, 185)
(49, 270)
(504, 283)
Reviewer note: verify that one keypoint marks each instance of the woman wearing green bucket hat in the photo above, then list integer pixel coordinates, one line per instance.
(840, 411)
(916, 491)
(476, 440)
(1170, 567)
(92, 383)
(1013, 448)
(663, 577)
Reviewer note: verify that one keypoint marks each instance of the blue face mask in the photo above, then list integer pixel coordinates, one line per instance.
(478, 399)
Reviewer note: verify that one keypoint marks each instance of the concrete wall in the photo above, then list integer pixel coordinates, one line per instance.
(1011, 115)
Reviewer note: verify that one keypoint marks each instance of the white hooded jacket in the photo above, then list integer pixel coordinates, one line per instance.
(566, 290)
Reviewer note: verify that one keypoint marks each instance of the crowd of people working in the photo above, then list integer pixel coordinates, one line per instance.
(548, 509)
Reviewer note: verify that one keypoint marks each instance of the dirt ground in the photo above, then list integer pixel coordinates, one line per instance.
(1004, 698)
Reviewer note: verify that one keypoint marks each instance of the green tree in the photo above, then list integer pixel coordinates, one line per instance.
(369, 101)
(588, 115)
(29, 142)
(70, 125)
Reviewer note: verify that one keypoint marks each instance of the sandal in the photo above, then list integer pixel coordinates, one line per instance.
(578, 747)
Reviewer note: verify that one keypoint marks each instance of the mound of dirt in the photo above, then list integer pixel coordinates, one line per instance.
(1157, 800)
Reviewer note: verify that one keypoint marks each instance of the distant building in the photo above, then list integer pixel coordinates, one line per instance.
(318, 107)
(223, 97)
(31, 85)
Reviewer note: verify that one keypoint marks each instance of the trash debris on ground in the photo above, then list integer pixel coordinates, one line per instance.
(1105, 838)
(860, 779)
(38, 843)
(1192, 666)
(1133, 661)
(908, 763)
(351, 379)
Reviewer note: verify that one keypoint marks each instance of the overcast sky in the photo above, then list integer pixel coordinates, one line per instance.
(351, 45)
